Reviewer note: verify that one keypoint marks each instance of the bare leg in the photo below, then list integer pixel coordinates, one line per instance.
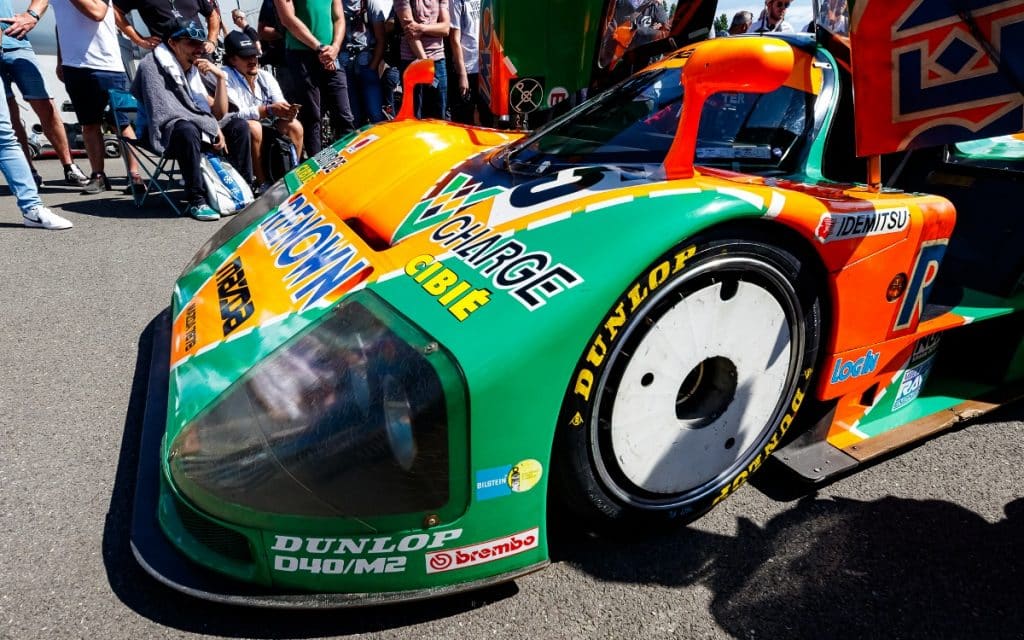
(93, 137)
(256, 135)
(133, 164)
(19, 130)
(293, 130)
(53, 127)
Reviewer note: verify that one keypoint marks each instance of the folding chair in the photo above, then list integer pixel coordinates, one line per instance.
(160, 169)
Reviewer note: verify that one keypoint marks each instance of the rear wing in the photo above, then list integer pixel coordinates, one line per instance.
(931, 72)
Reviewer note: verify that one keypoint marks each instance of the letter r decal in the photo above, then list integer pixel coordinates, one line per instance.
(926, 268)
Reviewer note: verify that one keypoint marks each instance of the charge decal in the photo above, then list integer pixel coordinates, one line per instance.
(531, 277)
(455, 195)
(497, 482)
(504, 547)
(833, 227)
(295, 259)
(926, 268)
(387, 554)
(234, 296)
(455, 294)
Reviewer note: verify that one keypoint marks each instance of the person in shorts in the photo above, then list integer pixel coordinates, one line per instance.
(89, 63)
(20, 67)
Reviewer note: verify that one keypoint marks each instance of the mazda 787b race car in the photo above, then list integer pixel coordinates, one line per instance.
(373, 382)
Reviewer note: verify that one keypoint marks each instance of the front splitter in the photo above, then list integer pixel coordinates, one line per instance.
(163, 561)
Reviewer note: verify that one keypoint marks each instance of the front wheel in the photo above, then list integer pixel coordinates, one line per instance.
(688, 384)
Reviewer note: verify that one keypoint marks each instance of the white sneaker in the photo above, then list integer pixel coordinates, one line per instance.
(40, 216)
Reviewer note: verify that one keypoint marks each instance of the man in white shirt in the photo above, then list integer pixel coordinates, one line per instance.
(255, 96)
(773, 17)
(89, 64)
(464, 39)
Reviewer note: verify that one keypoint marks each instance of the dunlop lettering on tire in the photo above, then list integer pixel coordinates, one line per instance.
(689, 382)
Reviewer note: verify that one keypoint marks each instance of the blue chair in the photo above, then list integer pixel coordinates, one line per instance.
(160, 169)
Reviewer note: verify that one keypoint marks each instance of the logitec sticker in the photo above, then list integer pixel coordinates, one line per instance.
(290, 554)
(468, 556)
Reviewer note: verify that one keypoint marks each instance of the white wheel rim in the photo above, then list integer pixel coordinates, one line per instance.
(663, 454)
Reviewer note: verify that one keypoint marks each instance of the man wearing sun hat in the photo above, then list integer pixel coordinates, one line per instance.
(183, 117)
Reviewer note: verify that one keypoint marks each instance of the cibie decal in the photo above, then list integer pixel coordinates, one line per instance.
(234, 296)
(456, 295)
(532, 277)
(454, 196)
(926, 268)
(497, 549)
(497, 482)
(833, 227)
(290, 554)
(313, 253)
(843, 370)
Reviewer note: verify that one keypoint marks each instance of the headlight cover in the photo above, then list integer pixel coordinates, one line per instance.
(353, 418)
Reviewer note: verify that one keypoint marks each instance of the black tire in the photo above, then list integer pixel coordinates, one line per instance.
(689, 382)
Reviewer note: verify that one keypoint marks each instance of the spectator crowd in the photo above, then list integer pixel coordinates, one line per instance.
(307, 66)
(309, 71)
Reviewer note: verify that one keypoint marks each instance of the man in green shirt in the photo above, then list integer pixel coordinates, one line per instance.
(315, 30)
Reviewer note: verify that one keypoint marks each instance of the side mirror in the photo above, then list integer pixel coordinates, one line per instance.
(747, 65)
(417, 73)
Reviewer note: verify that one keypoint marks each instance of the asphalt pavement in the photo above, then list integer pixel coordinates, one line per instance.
(929, 544)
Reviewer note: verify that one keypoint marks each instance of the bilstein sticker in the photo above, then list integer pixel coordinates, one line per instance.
(497, 482)
(451, 559)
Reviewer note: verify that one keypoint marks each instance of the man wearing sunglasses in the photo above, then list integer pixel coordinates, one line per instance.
(256, 98)
(183, 117)
(773, 18)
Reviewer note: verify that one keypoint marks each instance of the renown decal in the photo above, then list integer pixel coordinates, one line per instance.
(454, 294)
(529, 276)
(451, 559)
(327, 550)
(317, 257)
(926, 268)
(833, 227)
(234, 296)
(454, 196)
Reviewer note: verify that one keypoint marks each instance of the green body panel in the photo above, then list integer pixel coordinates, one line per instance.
(552, 40)
(998, 148)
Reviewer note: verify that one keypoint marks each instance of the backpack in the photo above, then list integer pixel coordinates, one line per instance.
(279, 155)
(226, 192)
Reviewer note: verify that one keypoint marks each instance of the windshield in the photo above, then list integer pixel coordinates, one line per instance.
(636, 121)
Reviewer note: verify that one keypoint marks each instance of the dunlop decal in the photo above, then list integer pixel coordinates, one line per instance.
(773, 443)
(616, 320)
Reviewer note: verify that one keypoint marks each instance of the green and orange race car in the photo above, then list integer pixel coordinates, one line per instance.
(375, 381)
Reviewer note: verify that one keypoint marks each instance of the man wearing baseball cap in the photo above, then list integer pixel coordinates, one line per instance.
(183, 117)
(255, 97)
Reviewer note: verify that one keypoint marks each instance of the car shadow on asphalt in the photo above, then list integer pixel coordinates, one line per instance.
(165, 606)
(837, 568)
(119, 205)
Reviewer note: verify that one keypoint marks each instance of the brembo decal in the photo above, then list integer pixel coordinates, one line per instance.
(497, 549)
